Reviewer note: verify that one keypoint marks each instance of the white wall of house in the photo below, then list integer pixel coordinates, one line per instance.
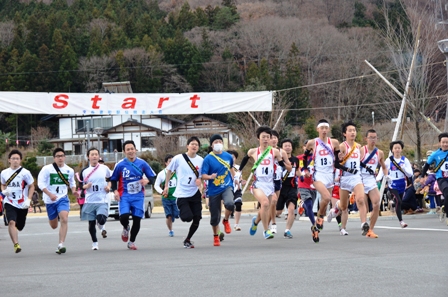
(65, 128)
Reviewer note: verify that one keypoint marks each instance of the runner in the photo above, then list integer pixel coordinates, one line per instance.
(54, 180)
(372, 158)
(95, 209)
(17, 189)
(324, 164)
(238, 183)
(288, 192)
(440, 159)
(130, 192)
(263, 185)
(277, 182)
(398, 175)
(217, 168)
(188, 170)
(307, 191)
(169, 201)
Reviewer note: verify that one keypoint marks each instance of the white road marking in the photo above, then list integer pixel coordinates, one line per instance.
(407, 228)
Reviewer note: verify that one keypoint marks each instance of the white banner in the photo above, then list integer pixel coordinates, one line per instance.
(133, 104)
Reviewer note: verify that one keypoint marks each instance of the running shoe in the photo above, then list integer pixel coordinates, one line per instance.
(104, 233)
(221, 236)
(320, 223)
(431, 212)
(315, 234)
(132, 246)
(17, 248)
(171, 233)
(340, 226)
(286, 217)
(125, 234)
(61, 249)
(301, 210)
(365, 229)
(227, 228)
(237, 228)
(95, 246)
(343, 232)
(253, 228)
(287, 234)
(216, 241)
(403, 224)
(371, 234)
(274, 228)
(331, 215)
(188, 244)
(268, 234)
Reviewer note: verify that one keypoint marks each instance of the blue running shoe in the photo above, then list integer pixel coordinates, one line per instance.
(287, 234)
(253, 228)
(268, 234)
(171, 233)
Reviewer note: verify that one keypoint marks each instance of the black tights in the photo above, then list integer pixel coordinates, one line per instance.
(397, 198)
(124, 220)
(101, 219)
(194, 226)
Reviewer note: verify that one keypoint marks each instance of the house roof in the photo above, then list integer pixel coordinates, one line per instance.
(131, 123)
(198, 120)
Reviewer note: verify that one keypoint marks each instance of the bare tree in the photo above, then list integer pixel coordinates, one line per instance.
(428, 77)
(6, 33)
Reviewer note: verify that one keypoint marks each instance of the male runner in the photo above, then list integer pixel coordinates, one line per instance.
(54, 180)
(130, 191)
(169, 201)
(217, 169)
(188, 170)
(263, 185)
(325, 154)
(288, 192)
(372, 158)
(17, 189)
(95, 209)
(351, 181)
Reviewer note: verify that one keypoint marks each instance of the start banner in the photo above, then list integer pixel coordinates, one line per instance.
(133, 103)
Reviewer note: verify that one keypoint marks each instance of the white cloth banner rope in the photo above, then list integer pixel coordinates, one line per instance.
(133, 103)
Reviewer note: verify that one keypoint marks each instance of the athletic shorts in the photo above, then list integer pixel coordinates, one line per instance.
(130, 204)
(267, 188)
(326, 178)
(287, 195)
(335, 193)
(348, 183)
(170, 208)
(369, 183)
(238, 197)
(277, 184)
(214, 205)
(91, 210)
(190, 207)
(17, 215)
(53, 209)
(306, 194)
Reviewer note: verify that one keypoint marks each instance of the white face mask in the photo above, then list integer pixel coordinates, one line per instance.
(217, 147)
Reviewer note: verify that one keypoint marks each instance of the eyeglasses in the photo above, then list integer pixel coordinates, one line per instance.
(59, 156)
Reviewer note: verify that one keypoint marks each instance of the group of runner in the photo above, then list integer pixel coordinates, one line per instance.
(334, 170)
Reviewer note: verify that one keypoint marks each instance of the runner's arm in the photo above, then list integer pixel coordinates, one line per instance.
(159, 180)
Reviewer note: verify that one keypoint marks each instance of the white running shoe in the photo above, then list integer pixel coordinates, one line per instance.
(343, 232)
(95, 246)
(331, 215)
(403, 224)
(237, 228)
(274, 229)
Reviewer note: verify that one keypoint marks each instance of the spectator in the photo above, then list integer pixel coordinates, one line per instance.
(35, 201)
(428, 188)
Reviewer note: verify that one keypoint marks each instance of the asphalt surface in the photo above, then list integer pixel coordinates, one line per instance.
(401, 262)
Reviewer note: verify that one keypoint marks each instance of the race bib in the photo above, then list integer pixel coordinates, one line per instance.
(134, 187)
(172, 183)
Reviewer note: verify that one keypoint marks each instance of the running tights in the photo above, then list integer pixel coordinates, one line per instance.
(194, 226)
(101, 219)
(397, 198)
(308, 205)
(124, 220)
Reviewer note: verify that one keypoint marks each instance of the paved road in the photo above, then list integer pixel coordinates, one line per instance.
(409, 262)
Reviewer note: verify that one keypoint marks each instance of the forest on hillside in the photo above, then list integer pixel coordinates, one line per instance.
(311, 51)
